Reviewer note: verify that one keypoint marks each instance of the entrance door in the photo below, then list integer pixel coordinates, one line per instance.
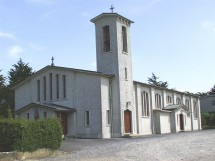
(127, 121)
(181, 122)
(63, 118)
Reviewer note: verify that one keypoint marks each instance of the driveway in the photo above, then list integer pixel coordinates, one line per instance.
(188, 146)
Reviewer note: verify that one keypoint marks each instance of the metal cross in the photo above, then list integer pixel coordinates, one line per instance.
(112, 8)
(52, 61)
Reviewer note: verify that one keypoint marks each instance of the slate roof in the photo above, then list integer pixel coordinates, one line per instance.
(51, 106)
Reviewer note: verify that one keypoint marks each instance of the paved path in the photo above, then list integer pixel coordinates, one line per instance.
(187, 146)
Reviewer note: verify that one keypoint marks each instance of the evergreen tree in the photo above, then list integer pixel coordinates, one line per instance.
(154, 81)
(19, 73)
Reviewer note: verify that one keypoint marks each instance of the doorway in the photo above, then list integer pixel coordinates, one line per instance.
(181, 116)
(127, 121)
(63, 119)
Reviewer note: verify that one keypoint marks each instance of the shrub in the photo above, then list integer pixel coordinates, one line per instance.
(22, 135)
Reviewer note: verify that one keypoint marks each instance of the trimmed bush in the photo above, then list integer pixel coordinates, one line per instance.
(23, 135)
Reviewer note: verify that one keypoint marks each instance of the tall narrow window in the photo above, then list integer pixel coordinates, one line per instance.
(87, 118)
(145, 103)
(195, 112)
(57, 85)
(38, 90)
(187, 103)
(44, 114)
(44, 88)
(108, 117)
(28, 116)
(126, 74)
(50, 85)
(178, 101)
(124, 39)
(64, 86)
(169, 99)
(157, 101)
(106, 39)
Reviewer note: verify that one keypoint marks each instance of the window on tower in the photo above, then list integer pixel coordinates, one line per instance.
(124, 39)
(106, 39)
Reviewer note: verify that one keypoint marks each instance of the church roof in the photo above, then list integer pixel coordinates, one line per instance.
(166, 89)
(177, 106)
(65, 69)
(109, 14)
(47, 105)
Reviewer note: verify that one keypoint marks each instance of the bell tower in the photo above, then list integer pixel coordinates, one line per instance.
(113, 53)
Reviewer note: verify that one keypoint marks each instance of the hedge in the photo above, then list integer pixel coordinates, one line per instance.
(23, 135)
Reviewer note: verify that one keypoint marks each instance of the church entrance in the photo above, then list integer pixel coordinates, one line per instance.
(127, 121)
(63, 119)
(181, 116)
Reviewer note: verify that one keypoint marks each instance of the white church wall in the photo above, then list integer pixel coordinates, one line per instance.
(22, 96)
(88, 98)
(165, 122)
(143, 122)
(105, 106)
(31, 112)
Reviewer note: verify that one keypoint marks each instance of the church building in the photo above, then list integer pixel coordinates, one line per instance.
(106, 103)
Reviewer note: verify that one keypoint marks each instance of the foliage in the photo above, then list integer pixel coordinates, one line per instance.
(154, 81)
(208, 118)
(23, 135)
(19, 73)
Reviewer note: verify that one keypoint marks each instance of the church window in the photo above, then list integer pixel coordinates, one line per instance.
(195, 112)
(38, 90)
(187, 103)
(124, 39)
(64, 86)
(44, 88)
(106, 38)
(178, 101)
(50, 85)
(44, 114)
(145, 103)
(57, 85)
(169, 99)
(157, 101)
(28, 116)
(87, 118)
(126, 74)
(108, 117)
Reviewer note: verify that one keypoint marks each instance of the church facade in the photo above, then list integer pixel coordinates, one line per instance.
(106, 103)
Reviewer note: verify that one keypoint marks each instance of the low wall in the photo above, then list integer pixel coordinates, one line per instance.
(40, 153)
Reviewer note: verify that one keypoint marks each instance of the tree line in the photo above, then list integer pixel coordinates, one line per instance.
(19, 72)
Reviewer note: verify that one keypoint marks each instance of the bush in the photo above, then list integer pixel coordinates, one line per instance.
(23, 135)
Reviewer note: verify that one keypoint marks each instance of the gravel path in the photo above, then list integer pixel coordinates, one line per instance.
(187, 146)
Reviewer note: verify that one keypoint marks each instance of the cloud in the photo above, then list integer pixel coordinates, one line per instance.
(15, 51)
(7, 36)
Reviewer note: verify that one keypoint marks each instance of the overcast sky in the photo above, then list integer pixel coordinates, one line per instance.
(175, 39)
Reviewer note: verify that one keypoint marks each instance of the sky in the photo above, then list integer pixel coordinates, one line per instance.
(174, 39)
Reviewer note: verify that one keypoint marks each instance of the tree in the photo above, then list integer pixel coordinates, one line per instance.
(154, 81)
(212, 91)
(19, 73)
(3, 97)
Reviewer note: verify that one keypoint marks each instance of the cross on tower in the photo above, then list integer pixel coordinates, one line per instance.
(52, 61)
(112, 8)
